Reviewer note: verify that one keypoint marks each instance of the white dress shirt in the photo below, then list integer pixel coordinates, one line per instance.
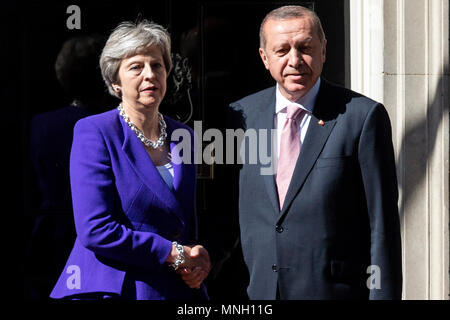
(306, 102)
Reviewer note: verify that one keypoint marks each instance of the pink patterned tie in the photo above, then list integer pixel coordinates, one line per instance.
(289, 150)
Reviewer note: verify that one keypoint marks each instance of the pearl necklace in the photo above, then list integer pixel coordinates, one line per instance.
(147, 142)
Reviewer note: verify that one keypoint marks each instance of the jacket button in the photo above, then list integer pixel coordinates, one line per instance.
(274, 268)
(279, 228)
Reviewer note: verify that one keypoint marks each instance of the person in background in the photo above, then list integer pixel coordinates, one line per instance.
(53, 231)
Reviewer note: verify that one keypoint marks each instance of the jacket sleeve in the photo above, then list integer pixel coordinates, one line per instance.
(95, 203)
(376, 158)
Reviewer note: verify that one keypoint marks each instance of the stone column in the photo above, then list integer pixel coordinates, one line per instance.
(400, 57)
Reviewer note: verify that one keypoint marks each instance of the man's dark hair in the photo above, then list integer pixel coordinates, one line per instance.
(289, 12)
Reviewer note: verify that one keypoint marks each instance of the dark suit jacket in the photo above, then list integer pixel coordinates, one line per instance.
(340, 214)
(125, 214)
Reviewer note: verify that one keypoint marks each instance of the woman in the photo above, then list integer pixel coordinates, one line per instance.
(134, 209)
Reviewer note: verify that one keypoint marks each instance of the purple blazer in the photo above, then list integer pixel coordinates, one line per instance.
(125, 215)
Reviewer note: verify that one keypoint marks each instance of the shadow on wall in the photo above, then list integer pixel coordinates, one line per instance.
(420, 141)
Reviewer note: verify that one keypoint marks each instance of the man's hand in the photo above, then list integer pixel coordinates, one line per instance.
(196, 267)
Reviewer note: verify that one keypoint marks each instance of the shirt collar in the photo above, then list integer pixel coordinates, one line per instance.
(306, 102)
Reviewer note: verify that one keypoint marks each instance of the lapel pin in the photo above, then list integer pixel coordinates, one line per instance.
(321, 123)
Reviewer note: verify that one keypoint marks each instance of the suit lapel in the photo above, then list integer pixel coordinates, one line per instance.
(146, 170)
(315, 139)
(265, 120)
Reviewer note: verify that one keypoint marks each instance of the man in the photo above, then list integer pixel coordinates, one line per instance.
(325, 225)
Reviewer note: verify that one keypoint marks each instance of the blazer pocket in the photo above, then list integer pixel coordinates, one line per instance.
(332, 161)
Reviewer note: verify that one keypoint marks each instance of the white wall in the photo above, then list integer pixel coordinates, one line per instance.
(400, 57)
